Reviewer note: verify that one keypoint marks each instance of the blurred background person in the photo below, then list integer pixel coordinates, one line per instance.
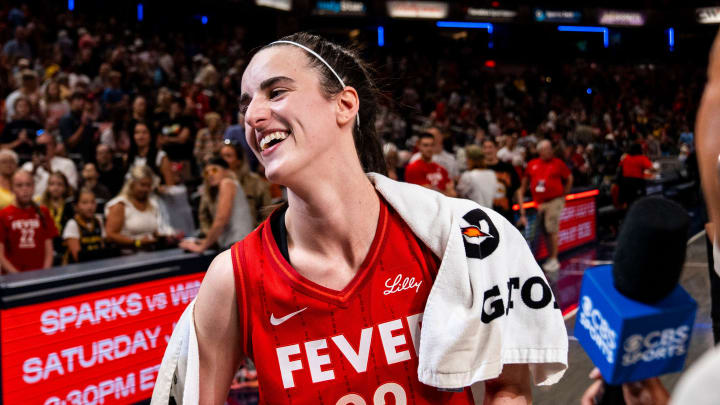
(224, 212)
(84, 233)
(477, 183)
(52, 106)
(549, 179)
(8, 166)
(143, 152)
(424, 172)
(508, 181)
(19, 134)
(634, 168)
(257, 189)
(209, 139)
(176, 136)
(26, 230)
(57, 198)
(45, 161)
(76, 128)
(133, 218)
(110, 170)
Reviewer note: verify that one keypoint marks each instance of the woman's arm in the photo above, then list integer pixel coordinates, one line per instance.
(49, 253)
(512, 387)
(218, 331)
(73, 245)
(7, 266)
(225, 198)
(166, 171)
(114, 224)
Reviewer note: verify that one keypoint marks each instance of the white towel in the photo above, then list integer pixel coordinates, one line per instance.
(458, 344)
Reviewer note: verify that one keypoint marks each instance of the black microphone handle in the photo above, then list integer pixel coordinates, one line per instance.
(610, 395)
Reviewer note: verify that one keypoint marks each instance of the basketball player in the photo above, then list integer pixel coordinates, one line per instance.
(326, 295)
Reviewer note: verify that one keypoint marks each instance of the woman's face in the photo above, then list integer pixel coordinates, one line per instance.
(53, 90)
(141, 189)
(142, 135)
(213, 175)
(7, 166)
(22, 109)
(228, 154)
(289, 123)
(86, 205)
(56, 187)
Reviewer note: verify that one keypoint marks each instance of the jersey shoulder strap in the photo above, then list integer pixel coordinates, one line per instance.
(250, 246)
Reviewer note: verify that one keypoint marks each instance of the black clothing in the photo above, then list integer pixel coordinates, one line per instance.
(12, 130)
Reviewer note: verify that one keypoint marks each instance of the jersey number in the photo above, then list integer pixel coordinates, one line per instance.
(379, 397)
(27, 237)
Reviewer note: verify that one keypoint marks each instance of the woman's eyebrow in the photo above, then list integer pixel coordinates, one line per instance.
(245, 97)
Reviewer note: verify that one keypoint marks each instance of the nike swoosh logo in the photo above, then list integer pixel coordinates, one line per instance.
(277, 321)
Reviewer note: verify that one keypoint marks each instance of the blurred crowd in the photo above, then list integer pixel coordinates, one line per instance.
(114, 142)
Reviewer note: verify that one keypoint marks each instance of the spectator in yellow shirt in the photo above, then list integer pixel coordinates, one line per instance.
(8, 166)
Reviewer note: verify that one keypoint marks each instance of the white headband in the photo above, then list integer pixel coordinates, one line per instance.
(320, 58)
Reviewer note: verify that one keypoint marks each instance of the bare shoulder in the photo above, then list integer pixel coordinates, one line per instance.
(215, 303)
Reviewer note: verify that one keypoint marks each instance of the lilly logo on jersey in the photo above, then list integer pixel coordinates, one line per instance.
(401, 284)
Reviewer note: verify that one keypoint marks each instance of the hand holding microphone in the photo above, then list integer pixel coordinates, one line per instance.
(634, 320)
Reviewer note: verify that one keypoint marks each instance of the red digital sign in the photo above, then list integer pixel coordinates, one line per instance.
(97, 348)
(577, 226)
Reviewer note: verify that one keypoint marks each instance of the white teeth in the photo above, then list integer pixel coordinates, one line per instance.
(272, 136)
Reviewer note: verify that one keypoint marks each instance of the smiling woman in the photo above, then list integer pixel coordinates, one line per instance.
(337, 272)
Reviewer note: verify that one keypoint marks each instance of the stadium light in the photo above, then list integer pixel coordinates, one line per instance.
(671, 38)
(579, 28)
(204, 20)
(71, 5)
(140, 12)
(381, 36)
(465, 24)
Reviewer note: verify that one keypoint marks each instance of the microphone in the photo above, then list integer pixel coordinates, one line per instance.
(635, 320)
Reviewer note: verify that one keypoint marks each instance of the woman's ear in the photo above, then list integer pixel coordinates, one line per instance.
(348, 103)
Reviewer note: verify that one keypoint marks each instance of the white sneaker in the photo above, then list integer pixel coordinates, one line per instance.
(551, 265)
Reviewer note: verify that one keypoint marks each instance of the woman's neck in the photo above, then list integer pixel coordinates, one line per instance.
(335, 218)
(143, 150)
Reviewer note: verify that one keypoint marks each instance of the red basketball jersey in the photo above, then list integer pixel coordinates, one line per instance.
(314, 345)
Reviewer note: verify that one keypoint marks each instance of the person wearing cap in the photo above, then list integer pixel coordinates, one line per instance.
(76, 128)
(478, 183)
(224, 211)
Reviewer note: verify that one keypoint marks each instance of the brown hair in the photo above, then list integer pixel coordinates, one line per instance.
(356, 73)
(45, 197)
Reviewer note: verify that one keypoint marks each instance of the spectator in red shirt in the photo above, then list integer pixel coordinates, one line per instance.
(425, 172)
(633, 174)
(549, 179)
(26, 230)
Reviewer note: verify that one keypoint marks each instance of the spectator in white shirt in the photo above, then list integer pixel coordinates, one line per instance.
(477, 183)
(45, 162)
